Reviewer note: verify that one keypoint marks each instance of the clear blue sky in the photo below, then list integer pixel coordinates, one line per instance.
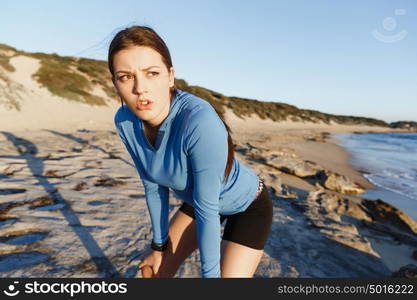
(327, 55)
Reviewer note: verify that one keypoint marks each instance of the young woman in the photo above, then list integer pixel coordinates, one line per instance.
(178, 142)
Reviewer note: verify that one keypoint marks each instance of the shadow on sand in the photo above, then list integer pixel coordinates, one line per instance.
(35, 163)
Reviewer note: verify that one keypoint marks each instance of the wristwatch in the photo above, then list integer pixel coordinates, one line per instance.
(159, 247)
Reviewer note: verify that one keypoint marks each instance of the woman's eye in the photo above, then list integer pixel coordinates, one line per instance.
(124, 77)
(153, 74)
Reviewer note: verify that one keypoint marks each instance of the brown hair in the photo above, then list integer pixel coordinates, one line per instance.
(147, 37)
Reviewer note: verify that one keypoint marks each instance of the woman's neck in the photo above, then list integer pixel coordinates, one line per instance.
(151, 133)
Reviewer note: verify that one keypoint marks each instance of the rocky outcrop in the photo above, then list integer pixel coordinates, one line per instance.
(340, 217)
(335, 182)
(291, 164)
(318, 137)
(327, 211)
(389, 215)
(408, 271)
(334, 206)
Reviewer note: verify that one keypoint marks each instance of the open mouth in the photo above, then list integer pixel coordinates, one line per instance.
(144, 104)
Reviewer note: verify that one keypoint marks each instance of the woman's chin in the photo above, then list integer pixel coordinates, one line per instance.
(144, 115)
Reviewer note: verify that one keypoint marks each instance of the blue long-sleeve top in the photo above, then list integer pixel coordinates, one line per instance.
(189, 157)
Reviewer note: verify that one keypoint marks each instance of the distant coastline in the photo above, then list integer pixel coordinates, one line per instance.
(392, 174)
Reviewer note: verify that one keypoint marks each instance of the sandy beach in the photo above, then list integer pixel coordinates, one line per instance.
(72, 204)
(312, 142)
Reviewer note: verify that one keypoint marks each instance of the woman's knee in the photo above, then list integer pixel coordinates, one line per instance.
(183, 242)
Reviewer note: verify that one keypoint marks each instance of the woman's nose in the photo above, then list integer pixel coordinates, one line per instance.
(139, 86)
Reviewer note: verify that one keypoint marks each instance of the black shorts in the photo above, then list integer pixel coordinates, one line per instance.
(249, 228)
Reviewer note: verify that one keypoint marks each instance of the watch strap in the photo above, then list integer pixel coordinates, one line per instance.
(159, 247)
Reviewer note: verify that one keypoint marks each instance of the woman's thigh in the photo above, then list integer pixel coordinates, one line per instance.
(238, 261)
(244, 237)
(182, 233)
(251, 227)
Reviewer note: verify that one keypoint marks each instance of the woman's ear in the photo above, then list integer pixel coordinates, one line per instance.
(171, 77)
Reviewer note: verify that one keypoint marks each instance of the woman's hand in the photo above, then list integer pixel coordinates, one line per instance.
(153, 259)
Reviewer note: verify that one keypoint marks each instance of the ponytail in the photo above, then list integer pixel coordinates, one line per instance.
(231, 146)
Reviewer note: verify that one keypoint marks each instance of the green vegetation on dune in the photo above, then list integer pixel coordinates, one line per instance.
(73, 78)
(7, 47)
(58, 76)
(5, 60)
(5, 63)
(409, 125)
(215, 99)
(98, 71)
(66, 76)
(275, 111)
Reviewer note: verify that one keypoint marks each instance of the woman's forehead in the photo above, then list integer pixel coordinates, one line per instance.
(137, 57)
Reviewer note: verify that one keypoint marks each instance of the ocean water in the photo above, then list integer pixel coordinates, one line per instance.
(389, 161)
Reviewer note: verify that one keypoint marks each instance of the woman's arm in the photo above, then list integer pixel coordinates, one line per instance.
(206, 144)
(157, 198)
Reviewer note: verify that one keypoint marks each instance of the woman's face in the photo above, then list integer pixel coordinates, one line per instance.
(143, 82)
